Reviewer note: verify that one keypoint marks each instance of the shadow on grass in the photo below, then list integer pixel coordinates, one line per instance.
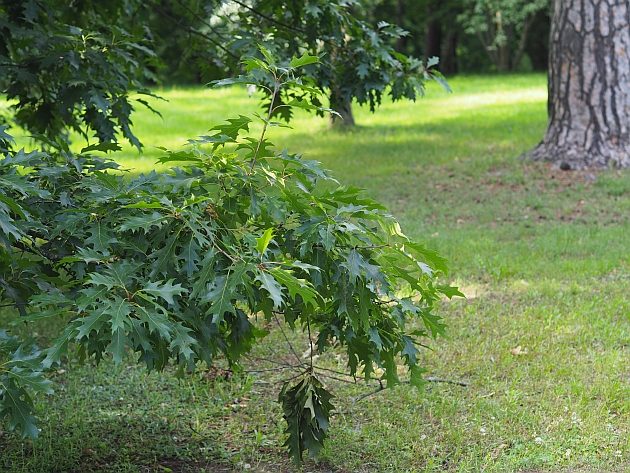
(103, 443)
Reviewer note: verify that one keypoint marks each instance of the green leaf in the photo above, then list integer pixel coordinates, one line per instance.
(431, 257)
(274, 289)
(99, 279)
(104, 147)
(156, 321)
(416, 377)
(409, 350)
(100, 238)
(58, 348)
(165, 290)
(263, 242)
(182, 341)
(223, 291)
(450, 291)
(16, 404)
(304, 60)
(178, 156)
(144, 205)
(34, 380)
(296, 286)
(306, 409)
(143, 221)
(90, 323)
(118, 310)
(433, 323)
(233, 126)
(117, 345)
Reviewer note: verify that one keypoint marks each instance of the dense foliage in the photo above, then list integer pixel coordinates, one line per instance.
(180, 268)
(358, 61)
(71, 67)
(176, 267)
(198, 41)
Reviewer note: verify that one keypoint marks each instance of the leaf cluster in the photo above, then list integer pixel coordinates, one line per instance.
(358, 59)
(71, 68)
(177, 268)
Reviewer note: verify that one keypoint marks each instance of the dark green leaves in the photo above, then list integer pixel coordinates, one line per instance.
(269, 284)
(176, 267)
(306, 409)
(20, 373)
(164, 290)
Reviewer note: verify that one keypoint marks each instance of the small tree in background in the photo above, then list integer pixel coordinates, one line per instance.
(358, 61)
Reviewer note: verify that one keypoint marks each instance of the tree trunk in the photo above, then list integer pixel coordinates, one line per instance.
(433, 39)
(504, 56)
(340, 104)
(589, 85)
(448, 58)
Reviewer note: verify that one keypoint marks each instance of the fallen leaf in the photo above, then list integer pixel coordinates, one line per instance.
(518, 351)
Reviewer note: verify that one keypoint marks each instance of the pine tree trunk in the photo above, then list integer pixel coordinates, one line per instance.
(589, 85)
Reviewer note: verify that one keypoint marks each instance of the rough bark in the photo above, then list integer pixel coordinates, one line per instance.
(589, 85)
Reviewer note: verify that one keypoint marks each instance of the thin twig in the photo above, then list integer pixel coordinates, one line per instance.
(341, 380)
(266, 370)
(276, 89)
(310, 340)
(297, 357)
(275, 362)
(378, 390)
(192, 30)
(431, 379)
(336, 372)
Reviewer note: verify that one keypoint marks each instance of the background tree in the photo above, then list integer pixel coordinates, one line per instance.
(432, 26)
(589, 86)
(358, 60)
(502, 26)
(71, 67)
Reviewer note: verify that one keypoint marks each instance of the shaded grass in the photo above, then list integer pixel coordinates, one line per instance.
(543, 255)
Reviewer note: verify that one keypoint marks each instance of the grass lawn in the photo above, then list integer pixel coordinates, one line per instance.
(543, 338)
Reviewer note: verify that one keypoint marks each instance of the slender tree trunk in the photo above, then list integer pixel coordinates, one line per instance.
(504, 56)
(448, 56)
(589, 85)
(433, 39)
(340, 104)
(522, 42)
